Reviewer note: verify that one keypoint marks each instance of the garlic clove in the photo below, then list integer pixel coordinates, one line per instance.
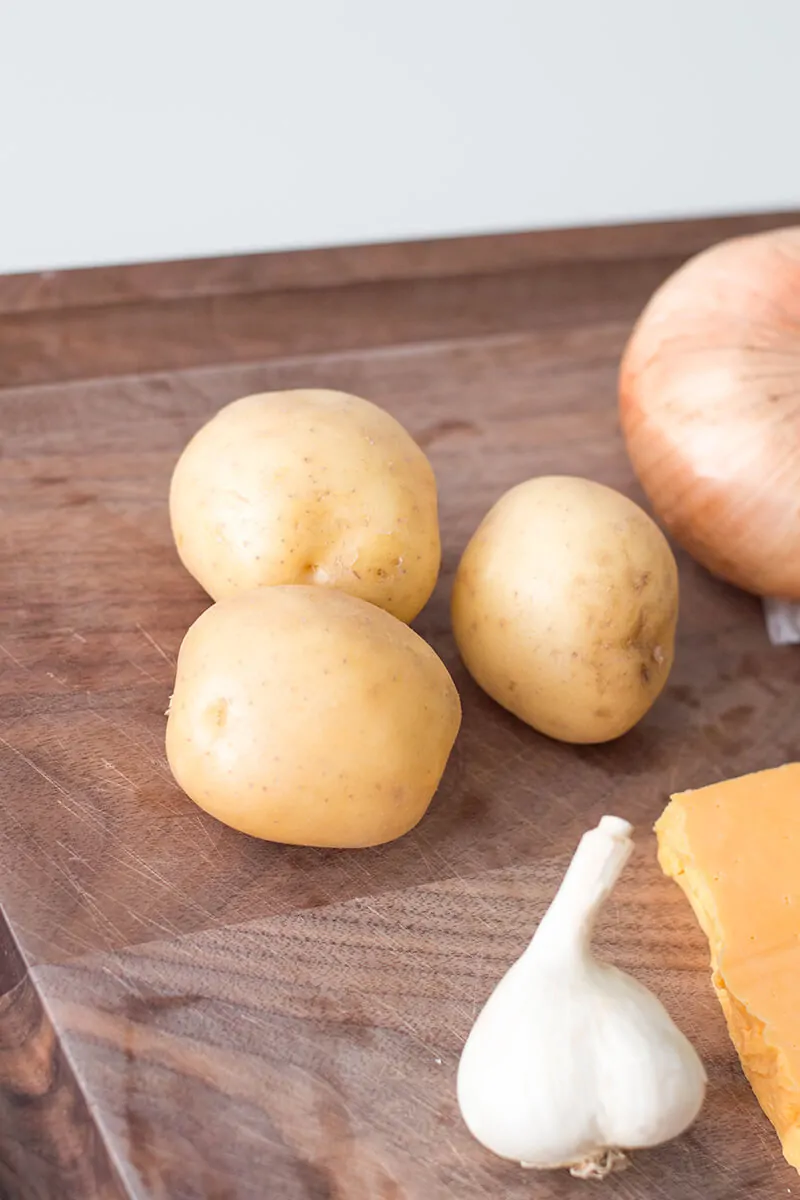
(640, 1036)
(572, 1061)
(512, 1097)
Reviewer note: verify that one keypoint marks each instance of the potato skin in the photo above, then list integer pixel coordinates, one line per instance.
(304, 715)
(564, 608)
(308, 487)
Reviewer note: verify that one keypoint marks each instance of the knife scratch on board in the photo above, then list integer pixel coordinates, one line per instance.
(159, 649)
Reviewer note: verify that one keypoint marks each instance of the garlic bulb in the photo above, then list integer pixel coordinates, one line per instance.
(571, 1061)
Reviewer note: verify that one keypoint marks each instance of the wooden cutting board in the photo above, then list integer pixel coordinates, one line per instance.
(187, 1012)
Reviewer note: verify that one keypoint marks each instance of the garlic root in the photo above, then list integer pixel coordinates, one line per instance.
(571, 1062)
(602, 1164)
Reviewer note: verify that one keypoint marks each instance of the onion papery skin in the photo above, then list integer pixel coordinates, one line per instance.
(710, 409)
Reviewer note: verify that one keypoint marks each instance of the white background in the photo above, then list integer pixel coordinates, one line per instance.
(170, 128)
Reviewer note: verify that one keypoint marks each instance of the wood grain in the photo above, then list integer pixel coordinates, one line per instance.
(234, 1019)
(128, 339)
(322, 1047)
(49, 1143)
(337, 266)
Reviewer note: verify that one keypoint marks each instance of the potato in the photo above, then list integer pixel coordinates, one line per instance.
(564, 608)
(308, 487)
(304, 715)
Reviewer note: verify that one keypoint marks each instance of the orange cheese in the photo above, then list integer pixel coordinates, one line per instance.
(734, 848)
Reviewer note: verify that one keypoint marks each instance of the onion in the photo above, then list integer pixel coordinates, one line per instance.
(710, 409)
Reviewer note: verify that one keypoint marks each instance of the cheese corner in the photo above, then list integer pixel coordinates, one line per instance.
(734, 849)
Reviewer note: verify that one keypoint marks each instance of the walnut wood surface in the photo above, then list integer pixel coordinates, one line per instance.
(336, 266)
(191, 1013)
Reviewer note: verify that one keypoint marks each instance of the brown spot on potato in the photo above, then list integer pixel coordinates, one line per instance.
(217, 713)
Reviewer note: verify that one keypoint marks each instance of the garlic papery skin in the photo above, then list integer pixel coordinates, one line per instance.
(571, 1060)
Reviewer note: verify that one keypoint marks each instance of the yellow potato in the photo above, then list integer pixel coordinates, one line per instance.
(308, 487)
(307, 716)
(564, 608)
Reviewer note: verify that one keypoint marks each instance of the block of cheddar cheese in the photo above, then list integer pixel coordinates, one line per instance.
(734, 848)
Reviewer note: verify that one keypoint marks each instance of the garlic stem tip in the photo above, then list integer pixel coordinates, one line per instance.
(616, 827)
